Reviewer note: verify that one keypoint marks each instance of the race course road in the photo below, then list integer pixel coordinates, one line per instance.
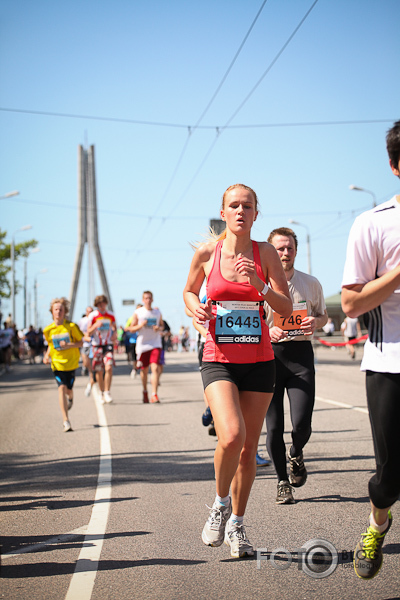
(114, 510)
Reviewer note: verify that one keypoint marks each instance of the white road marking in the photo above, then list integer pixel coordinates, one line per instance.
(82, 582)
(342, 405)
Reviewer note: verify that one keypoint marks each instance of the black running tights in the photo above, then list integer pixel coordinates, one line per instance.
(295, 373)
(383, 396)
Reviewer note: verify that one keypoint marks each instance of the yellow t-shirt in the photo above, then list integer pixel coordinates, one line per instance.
(63, 360)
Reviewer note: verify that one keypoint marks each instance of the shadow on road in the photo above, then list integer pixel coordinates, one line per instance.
(11, 544)
(80, 473)
(50, 569)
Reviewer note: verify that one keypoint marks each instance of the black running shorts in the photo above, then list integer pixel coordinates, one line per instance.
(248, 377)
(66, 378)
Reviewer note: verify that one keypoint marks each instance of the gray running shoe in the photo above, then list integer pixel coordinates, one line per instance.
(298, 472)
(67, 426)
(285, 495)
(69, 403)
(214, 529)
(236, 539)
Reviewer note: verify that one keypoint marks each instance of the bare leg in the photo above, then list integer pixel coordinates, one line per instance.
(254, 407)
(7, 358)
(143, 377)
(155, 377)
(100, 380)
(223, 399)
(108, 378)
(238, 419)
(62, 399)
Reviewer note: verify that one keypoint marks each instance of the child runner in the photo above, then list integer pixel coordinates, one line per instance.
(103, 330)
(64, 339)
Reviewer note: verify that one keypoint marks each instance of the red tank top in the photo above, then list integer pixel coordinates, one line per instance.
(239, 333)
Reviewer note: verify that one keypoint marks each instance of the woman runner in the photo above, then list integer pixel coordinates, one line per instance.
(238, 368)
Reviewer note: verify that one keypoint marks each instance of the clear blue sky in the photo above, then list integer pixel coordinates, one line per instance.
(136, 75)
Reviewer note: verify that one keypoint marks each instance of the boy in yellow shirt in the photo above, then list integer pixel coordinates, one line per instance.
(64, 339)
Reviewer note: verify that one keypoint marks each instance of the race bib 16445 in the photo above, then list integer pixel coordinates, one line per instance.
(238, 322)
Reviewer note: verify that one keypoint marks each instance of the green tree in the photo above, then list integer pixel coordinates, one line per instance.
(20, 251)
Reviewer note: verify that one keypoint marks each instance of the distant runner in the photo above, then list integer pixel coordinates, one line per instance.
(64, 339)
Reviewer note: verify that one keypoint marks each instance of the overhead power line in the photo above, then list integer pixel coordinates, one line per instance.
(231, 65)
(191, 127)
(272, 63)
(192, 217)
(220, 130)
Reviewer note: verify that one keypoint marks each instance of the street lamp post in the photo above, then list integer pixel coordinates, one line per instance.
(360, 189)
(25, 228)
(35, 286)
(33, 251)
(308, 243)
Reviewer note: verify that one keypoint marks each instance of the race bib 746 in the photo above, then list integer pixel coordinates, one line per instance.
(292, 324)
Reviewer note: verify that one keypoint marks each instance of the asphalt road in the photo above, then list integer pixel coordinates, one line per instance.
(133, 532)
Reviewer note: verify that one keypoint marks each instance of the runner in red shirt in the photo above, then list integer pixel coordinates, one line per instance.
(103, 331)
(238, 367)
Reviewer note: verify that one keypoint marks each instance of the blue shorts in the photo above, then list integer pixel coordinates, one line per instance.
(66, 378)
(248, 377)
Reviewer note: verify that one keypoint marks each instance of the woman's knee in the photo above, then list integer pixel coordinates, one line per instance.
(231, 440)
(248, 454)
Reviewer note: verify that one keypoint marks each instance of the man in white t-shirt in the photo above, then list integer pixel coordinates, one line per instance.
(294, 362)
(351, 329)
(148, 323)
(371, 287)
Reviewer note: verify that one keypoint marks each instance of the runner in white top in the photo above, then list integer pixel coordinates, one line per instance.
(147, 321)
(371, 286)
(86, 349)
(294, 361)
(350, 329)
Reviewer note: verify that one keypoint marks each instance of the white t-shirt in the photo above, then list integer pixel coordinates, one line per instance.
(148, 338)
(349, 327)
(302, 288)
(6, 336)
(83, 326)
(373, 249)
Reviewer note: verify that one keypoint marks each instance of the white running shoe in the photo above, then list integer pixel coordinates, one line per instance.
(88, 390)
(107, 397)
(69, 403)
(67, 426)
(214, 529)
(133, 374)
(235, 537)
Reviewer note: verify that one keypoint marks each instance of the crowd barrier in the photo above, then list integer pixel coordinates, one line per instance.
(355, 341)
